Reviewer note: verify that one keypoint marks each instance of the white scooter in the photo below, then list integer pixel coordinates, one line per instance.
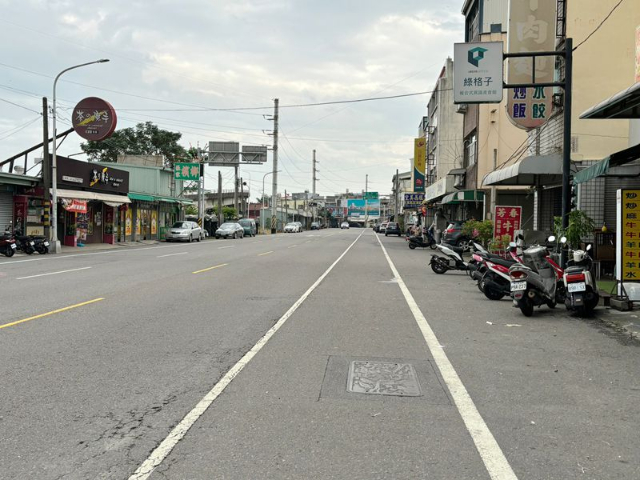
(452, 261)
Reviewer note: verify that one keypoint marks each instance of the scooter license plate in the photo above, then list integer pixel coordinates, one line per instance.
(46, 244)
(13, 245)
(32, 243)
(576, 287)
(518, 286)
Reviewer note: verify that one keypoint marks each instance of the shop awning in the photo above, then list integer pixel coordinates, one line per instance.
(457, 171)
(84, 195)
(602, 167)
(539, 169)
(186, 201)
(167, 200)
(463, 196)
(142, 197)
(625, 104)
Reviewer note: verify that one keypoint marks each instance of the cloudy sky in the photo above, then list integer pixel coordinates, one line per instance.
(173, 62)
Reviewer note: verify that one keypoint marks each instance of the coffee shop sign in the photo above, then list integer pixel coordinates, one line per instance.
(102, 176)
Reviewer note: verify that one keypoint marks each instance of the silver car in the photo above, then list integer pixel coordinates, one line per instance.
(184, 231)
(230, 230)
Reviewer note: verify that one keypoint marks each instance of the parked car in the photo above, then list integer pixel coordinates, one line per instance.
(230, 230)
(291, 228)
(249, 226)
(300, 227)
(376, 227)
(184, 231)
(344, 225)
(315, 226)
(393, 228)
(383, 227)
(453, 235)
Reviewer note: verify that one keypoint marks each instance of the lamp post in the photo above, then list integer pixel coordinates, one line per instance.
(263, 206)
(54, 178)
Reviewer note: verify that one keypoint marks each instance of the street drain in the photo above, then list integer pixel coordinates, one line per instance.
(383, 378)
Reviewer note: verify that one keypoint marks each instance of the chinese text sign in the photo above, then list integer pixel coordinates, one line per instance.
(628, 248)
(419, 163)
(477, 72)
(187, 171)
(507, 221)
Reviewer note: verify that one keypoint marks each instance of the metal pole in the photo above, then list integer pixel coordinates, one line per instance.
(242, 198)
(46, 169)
(220, 214)
(274, 187)
(235, 188)
(55, 248)
(366, 200)
(566, 147)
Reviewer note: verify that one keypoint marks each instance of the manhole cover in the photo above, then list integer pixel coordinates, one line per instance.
(383, 378)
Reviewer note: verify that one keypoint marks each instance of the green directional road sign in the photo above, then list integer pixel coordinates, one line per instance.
(371, 195)
(187, 171)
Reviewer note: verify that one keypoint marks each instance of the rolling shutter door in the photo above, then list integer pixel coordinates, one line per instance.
(6, 210)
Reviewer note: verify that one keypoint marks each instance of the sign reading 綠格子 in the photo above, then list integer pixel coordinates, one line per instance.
(187, 171)
(419, 163)
(94, 119)
(477, 72)
(532, 28)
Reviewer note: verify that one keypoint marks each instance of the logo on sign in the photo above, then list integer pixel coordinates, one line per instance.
(475, 55)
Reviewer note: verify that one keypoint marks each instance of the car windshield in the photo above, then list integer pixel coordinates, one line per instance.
(180, 225)
(227, 226)
(291, 225)
(245, 223)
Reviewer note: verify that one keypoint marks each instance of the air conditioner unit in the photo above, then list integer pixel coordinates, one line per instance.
(461, 108)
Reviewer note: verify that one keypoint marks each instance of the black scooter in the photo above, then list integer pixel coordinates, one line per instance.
(7, 245)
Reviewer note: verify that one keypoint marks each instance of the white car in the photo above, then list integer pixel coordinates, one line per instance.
(383, 227)
(291, 228)
(344, 225)
(184, 231)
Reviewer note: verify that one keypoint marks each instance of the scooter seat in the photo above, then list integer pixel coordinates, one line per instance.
(502, 261)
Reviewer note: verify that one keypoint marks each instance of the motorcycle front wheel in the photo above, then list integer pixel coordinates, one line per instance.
(412, 246)
(8, 252)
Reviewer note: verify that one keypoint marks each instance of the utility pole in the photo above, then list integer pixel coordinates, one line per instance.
(46, 168)
(274, 188)
(366, 200)
(241, 196)
(235, 187)
(220, 214)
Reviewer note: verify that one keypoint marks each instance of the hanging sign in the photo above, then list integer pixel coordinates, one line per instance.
(532, 28)
(73, 205)
(413, 200)
(507, 221)
(94, 119)
(187, 171)
(419, 163)
(477, 72)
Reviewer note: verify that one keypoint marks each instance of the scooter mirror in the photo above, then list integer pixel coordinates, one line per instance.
(588, 247)
(563, 240)
(551, 239)
(512, 245)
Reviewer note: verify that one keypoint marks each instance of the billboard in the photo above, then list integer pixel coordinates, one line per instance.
(356, 208)
(532, 28)
(419, 163)
(477, 72)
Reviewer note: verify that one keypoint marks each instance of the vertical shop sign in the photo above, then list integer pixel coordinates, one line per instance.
(127, 228)
(138, 223)
(628, 241)
(638, 54)
(508, 221)
(419, 161)
(532, 28)
(154, 222)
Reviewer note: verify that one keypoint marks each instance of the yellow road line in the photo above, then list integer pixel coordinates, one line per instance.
(210, 268)
(50, 313)
(265, 253)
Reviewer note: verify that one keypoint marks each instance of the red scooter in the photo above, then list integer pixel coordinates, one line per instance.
(7, 245)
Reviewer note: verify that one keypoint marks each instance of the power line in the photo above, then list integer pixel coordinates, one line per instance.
(600, 25)
(18, 129)
(18, 105)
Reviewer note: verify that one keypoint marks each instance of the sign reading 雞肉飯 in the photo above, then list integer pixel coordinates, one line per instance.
(187, 171)
(477, 72)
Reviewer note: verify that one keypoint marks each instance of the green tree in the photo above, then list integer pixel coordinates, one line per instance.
(143, 139)
(580, 226)
(191, 210)
(228, 212)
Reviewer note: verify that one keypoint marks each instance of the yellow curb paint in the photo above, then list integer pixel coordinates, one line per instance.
(210, 268)
(265, 253)
(50, 313)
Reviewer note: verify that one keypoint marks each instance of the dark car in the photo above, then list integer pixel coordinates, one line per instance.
(453, 235)
(315, 226)
(249, 226)
(393, 228)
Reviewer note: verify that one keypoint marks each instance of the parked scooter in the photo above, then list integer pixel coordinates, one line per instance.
(452, 261)
(580, 283)
(535, 281)
(496, 282)
(7, 245)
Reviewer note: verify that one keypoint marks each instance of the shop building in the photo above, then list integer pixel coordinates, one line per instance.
(14, 186)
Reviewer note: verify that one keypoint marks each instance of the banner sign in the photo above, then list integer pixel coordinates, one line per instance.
(477, 72)
(413, 200)
(419, 163)
(507, 221)
(187, 171)
(532, 28)
(628, 241)
(356, 208)
(371, 195)
(73, 205)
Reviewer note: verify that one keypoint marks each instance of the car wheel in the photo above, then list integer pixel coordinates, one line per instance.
(190, 239)
(463, 243)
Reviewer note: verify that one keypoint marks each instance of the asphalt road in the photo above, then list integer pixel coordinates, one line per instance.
(104, 357)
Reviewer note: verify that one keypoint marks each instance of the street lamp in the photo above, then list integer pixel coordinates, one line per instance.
(54, 179)
(263, 206)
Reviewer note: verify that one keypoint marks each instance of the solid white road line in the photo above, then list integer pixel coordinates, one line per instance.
(180, 430)
(172, 254)
(228, 246)
(488, 448)
(53, 273)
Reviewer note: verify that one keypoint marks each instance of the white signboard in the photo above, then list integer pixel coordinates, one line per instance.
(477, 72)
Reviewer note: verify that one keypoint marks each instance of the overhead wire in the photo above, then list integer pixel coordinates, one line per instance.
(599, 25)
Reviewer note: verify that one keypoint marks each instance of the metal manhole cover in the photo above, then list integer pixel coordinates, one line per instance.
(383, 378)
